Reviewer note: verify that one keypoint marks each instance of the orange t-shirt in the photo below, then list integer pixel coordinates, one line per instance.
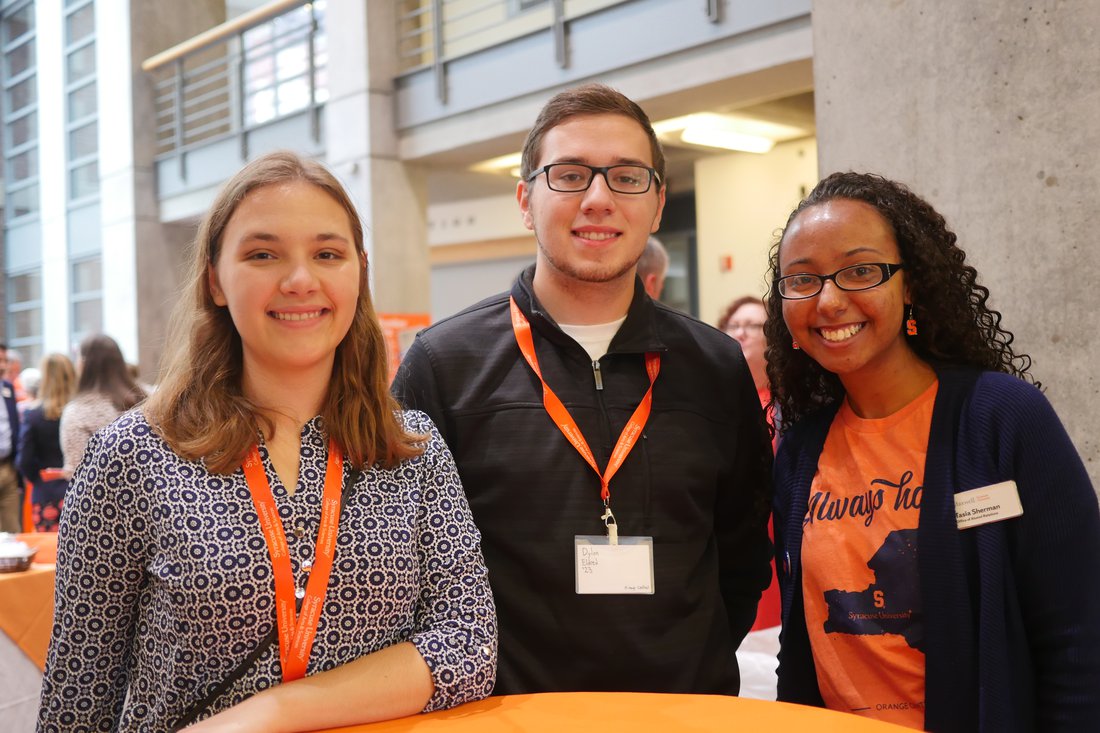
(860, 579)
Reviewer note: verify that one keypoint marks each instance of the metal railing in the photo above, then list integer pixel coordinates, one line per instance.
(246, 73)
(431, 33)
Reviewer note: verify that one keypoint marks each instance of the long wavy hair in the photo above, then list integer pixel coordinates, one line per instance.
(956, 326)
(199, 407)
(58, 384)
(104, 371)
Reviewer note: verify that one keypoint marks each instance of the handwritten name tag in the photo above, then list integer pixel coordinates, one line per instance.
(624, 568)
(992, 503)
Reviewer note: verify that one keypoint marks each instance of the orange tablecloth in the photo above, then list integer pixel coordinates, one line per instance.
(46, 542)
(26, 609)
(627, 711)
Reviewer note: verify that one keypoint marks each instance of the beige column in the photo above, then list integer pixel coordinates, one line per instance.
(361, 147)
(988, 109)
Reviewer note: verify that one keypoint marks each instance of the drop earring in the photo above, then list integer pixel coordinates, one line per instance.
(911, 323)
(795, 346)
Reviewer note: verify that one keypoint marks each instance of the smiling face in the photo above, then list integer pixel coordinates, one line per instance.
(855, 335)
(594, 236)
(289, 273)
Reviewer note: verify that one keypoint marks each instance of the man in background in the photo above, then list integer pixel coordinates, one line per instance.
(10, 492)
(613, 449)
(653, 267)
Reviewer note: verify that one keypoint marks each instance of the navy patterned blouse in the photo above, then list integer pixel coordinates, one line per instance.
(164, 584)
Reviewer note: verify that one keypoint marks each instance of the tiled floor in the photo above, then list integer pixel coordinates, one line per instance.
(20, 683)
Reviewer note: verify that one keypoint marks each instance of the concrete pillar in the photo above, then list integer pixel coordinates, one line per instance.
(361, 148)
(987, 109)
(141, 258)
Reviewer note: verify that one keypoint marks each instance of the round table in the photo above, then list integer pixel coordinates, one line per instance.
(636, 712)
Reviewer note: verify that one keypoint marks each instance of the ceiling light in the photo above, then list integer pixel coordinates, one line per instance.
(713, 137)
(505, 163)
(726, 131)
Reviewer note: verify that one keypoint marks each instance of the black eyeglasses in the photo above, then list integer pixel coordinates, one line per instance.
(577, 177)
(855, 277)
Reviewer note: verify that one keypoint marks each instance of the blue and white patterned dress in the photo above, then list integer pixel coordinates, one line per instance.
(164, 583)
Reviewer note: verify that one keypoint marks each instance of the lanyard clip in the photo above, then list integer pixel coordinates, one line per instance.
(611, 523)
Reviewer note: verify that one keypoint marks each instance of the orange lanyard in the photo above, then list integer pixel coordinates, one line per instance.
(565, 422)
(297, 629)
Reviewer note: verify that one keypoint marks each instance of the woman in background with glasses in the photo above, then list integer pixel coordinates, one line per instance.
(743, 320)
(937, 535)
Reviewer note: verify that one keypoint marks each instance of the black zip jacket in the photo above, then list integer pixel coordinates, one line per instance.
(697, 482)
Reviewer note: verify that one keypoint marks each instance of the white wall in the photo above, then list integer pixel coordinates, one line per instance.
(741, 201)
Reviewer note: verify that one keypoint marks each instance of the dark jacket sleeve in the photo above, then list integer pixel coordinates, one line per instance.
(1055, 552)
(741, 518)
(27, 459)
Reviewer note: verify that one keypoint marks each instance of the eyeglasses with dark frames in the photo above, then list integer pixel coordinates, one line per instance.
(577, 177)
(864, 276)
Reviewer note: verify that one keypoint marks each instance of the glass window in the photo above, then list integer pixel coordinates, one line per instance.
(293, 95)
(25, 323)
(19, 59)
(81, 63)
(87, 316)
(22, 130)
(84, 180)
(80, 24)
(17, 23)
(22, 166)
(83, 141)
(22, 202)
(20, 95)
(25, 287)
(82, 102)
(86, 276)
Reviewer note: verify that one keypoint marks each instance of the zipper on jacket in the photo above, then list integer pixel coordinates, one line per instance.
(598, 375)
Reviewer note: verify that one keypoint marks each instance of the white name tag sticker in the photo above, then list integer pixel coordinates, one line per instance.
(624, 568)
(993, 503)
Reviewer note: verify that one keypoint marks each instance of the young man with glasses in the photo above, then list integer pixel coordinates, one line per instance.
(613, 450)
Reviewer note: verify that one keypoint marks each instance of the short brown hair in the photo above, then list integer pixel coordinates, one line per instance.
(199, 408)
(735, 306)
(590, 99)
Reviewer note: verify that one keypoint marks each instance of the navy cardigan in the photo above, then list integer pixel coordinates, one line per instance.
(1012, 608)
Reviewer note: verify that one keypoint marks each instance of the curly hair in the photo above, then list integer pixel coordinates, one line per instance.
(956, 325)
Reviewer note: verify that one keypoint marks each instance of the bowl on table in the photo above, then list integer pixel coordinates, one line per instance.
(15, 556)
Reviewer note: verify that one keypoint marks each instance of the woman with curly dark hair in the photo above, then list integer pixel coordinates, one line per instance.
(937, 535)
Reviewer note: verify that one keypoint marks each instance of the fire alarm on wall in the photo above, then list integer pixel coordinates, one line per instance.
(725, 263)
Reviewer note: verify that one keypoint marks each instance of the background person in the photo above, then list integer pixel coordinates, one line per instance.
(105, 390)
(686, 494)
(11, 493)
(13, 374)
(40, 458)
(914, 589)
(30, 378)
(273, 404)
(743, 320)
(653, 267)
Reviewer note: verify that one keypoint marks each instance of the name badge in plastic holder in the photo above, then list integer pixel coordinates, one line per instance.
(622, 568)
